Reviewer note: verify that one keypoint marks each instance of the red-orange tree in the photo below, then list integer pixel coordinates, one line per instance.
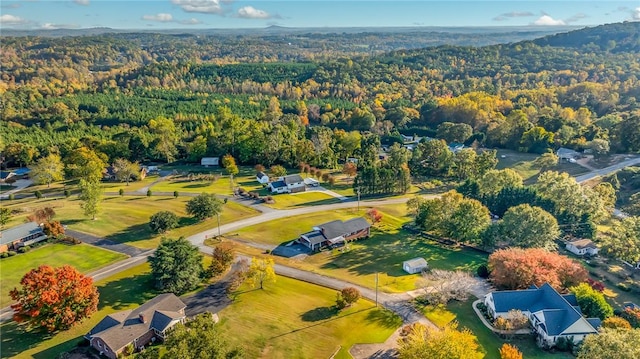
(517, 268)
(54, 298)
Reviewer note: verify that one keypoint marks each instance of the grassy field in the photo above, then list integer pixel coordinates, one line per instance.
(286, 201)
(125, 219)
(293, 319)
(123, 291)
(463, 313)
(83, 257)
(246, 179)
(383, 253)
(523, 164)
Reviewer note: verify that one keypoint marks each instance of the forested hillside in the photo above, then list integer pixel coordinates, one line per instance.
(255, 97)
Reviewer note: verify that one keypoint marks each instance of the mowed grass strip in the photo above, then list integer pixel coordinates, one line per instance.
(126, 219)
(286, 201)
(83, 257)
(294, 319)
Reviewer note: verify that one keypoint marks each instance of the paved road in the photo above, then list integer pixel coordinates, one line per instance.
(19, 186)
(131, 251)
(608, 170)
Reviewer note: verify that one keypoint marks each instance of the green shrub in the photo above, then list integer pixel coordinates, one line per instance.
(4, 255)
(38, 194)
(11, 253)
(149, 193)
(67, 193)
(24, 249)
(12, 197)
(176, 194)
(121, 192)
(483, 271)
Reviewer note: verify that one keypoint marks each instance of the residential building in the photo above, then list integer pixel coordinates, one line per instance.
(288, 184)
(551, 315)
(582, 246)
(137, 327)
(335, 232)
(20, 236)
(210, 161)
(415, 265)
(567, 154)
(262, 178)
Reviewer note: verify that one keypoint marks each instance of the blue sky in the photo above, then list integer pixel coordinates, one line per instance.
(198, 14)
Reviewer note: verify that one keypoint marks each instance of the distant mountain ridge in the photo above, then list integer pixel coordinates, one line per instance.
(618, 37)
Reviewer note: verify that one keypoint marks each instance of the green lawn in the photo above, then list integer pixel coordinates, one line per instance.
(123, 291)
(285, 201)
(125, 219)
(383, 253)
(523, 164)
(114, 186)
(294, 319)
(246, 179)
(83, 257)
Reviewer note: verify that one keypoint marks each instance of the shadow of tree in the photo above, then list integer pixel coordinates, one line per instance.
(321, 313)
(125, 291)
(15, 339)
(385, 318)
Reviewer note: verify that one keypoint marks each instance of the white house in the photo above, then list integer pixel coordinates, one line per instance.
(415, 265)
(262, 178)
(288, 184)
(582, 246)
(210, 161)
(551, 315)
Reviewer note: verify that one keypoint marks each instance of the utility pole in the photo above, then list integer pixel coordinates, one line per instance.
(218, 215)
(358, 199)
(376, 289)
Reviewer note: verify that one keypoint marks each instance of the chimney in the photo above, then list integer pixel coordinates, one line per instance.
(142, 319)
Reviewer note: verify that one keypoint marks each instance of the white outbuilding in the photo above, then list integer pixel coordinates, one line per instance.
(415, 265)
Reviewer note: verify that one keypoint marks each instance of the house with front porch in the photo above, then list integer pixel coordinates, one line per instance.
(335, 232)
(288, 184)
(137, 327)
(19, 236)
(551, 315)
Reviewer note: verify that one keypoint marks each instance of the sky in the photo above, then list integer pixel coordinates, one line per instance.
(213, 14)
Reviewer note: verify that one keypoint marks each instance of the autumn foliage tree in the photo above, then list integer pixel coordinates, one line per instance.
(450, 343)
(53, 228)
(54, 298)
(508, 351)
(518, 268)
(616, 323)
(347, 296)
(349, 169)
(374, 215)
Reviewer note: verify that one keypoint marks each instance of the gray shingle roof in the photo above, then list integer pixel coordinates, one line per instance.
(416, 262)
(260, 175)
(338, 228)
(278, 184)
(292, 179)
(119, 329)
(19, 232)
(315, 237)
(558, 311)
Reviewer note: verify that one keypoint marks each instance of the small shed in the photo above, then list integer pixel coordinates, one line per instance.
(262, 178)
(210, 161)
(582, 246)
(415, 265)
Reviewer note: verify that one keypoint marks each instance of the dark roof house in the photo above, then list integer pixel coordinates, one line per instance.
(335, 232)
(551, 314)
(139, 326)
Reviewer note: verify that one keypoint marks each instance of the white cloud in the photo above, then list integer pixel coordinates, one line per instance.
(546, 20)
(81, 2)
(249, 12)
(50, 26)
(192, 21)
(11, 19)
(636, 14)
(161, 17)
(201, 6)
